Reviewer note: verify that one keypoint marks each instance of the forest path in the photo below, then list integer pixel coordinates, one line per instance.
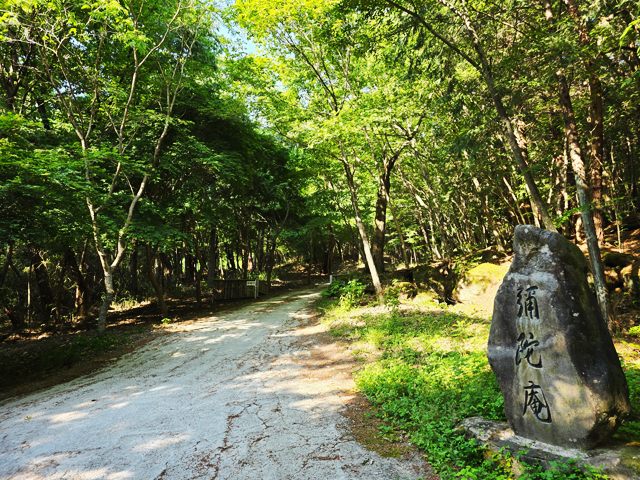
(252, 394)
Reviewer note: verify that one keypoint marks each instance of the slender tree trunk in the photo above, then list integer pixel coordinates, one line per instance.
(515, 200)
(213, 261)
(361, 229)
(577, 162)
(378, 239)
(6, 263)
(434, 244)
(328, 256)
(597, 154)
(597, 268)
(524, 148)
(47, 299)
(344, 218)
(433, 209)
(133, 269)
(630, 167)
(200, 268)
(487, 213)
(108, 297)
(154, 281)
(310, 266)
(81, 288)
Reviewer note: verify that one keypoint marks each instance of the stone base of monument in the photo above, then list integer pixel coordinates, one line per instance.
(619, 461)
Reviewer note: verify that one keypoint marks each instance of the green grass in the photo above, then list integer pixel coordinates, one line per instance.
(425, 370)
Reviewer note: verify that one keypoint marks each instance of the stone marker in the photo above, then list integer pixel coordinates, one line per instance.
(550, 349)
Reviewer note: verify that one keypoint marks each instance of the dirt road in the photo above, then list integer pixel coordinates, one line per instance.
(253, 394)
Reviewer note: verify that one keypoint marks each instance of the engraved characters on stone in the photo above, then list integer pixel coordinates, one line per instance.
(534, 398)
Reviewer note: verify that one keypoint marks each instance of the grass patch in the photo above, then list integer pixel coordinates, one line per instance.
(425, 369)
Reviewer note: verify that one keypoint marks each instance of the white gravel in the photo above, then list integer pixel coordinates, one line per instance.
(228, 397)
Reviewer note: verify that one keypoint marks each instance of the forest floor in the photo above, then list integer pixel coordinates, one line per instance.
(258, 392)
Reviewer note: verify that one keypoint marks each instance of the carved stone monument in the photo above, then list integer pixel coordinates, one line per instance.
(550, 349)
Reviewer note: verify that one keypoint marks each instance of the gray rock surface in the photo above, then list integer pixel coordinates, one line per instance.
(618, 461)
(550, 349)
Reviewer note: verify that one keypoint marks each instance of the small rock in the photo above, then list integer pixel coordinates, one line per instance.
(480, 284)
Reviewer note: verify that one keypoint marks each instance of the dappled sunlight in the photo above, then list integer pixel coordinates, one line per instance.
(186, 392)
(222, 338)
(161, 442)
(68, 417)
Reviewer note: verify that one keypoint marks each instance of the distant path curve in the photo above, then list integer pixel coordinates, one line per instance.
(251, 394)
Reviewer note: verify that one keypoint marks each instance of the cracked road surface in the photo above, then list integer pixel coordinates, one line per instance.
(252, 394)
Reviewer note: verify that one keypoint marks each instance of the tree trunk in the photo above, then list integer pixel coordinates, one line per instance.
(154, 281)
(81, 287)
(213, 251)
(361, 229)
(597, 154)
(6, 263)
(378, 239)
(524, 148)
(327, 265)
(433, 209)
(310, 258)
(515, 200)
(597, 269)
(577, 162)
(133, 269)
(630, 167)
(200, 267)
(108, 296)
(487, 213)
(47, 299)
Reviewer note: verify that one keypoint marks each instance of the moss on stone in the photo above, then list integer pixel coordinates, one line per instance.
(631, 457)
(486, 272)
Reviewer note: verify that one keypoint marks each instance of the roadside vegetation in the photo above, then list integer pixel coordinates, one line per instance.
(424, 368)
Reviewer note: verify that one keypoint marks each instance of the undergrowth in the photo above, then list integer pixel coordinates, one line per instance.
(425, 369)
(56, 356)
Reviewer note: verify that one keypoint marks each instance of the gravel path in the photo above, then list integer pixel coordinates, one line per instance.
(252, 394)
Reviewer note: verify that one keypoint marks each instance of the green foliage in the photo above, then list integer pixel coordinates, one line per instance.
(635, 331)
(562, 471)
(348, 292)
(629, 429)
(430, 372)
(393, 292)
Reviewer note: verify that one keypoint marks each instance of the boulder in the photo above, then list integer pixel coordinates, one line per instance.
(479, 285)
(616, 259)
(631, 279)
(631, 222)
(427, 277)
(550, 349)
(619, 461)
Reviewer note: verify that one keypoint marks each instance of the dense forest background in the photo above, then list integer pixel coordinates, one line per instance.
(142, 152)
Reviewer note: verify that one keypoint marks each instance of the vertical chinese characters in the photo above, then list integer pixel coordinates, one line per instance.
(526, 349)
